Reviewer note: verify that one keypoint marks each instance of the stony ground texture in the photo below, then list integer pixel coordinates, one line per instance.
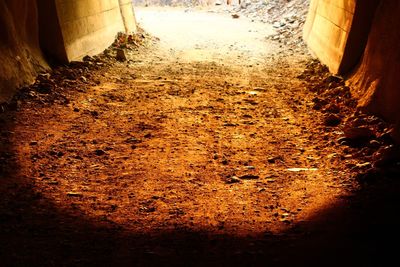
(199, 148)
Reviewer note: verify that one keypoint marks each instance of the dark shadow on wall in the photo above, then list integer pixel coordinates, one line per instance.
(360, 29)
(361, 230)
(50, 35)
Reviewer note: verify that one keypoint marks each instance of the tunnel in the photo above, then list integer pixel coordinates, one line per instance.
(199, 133)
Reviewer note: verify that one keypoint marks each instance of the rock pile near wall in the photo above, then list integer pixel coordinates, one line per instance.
(64, 30)
(360, 39)
(376, 80)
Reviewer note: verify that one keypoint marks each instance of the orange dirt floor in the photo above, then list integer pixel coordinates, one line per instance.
(186, 156)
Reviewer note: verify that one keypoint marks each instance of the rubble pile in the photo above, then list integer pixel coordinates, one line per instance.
(286, 16)
(367, 139)
(55, 85)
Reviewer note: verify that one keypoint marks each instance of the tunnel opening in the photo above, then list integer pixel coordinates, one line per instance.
(167, 156)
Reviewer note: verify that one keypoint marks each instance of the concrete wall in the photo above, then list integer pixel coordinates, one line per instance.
(71, 30)
(361, 39)
(128, 16)
(376, 81)
(50, 34)
(90, 26)
(20, 56)
(336, 31)
(63, 30)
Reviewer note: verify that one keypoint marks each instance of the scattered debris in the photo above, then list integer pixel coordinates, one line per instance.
(302, 169)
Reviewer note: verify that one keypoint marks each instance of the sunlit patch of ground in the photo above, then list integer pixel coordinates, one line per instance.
(209, 130)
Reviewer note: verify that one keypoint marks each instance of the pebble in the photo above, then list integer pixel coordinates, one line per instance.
(250, 167)
(358, 133)
(74, 194)
(232, 180)
(302, 169)
(332, 120)
(121, 56)
(249, 177)
(99, 152)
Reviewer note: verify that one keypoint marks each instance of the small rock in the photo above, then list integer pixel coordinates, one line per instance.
(359, 134)
(364, 165)
(285, 220)
(232, 180)
(319, 103)
(333, 78)
(132, 140)
(74, 194)
(250, 167)
(88, 58)
(332, 120)
(235, 16)
(374, 144)
(94, 113)
(99, 152)
(332, 108)
(249, 177)
(229, 124)
(302, 169)
(385, 156)
(45, 88)
(147, 209)
(121, 56)
(273, 159)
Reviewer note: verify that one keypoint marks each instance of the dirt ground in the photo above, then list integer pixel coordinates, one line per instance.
(203, 148)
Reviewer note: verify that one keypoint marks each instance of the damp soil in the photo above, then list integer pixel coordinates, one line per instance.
(202, 150)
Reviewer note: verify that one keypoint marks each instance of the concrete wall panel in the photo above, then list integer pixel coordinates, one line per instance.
(64, 30)
(20, 56)
(376, 82)
(90, 26)
(128, 15)
(327, 29)
(336, 31)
